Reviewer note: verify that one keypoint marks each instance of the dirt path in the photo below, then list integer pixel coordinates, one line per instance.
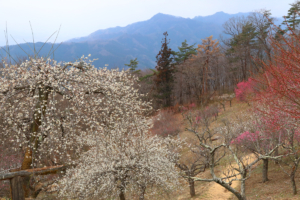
(214, 190)
(217, 192)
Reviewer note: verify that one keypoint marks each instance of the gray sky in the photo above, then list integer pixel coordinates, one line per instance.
(81, 17)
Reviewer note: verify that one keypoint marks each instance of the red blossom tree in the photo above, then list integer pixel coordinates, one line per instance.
(281, 78)
(280, 93)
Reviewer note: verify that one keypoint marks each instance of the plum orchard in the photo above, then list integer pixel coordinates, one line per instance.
(74, 114)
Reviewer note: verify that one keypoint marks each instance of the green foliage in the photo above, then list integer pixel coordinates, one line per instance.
(246, 37)
(133, 65)
(279, 33)
(293, 16)
(185, 51)
(155, 72)
(268, 22)
(244, 40)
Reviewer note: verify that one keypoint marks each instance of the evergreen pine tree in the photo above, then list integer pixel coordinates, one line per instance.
(133, 65)
(185, 51)
(164, 77)
(293, 16)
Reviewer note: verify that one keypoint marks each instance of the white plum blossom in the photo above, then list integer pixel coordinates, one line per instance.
(92, 119)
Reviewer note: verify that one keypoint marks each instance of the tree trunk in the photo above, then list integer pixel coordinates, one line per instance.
(243, 185)
(232, 190)
(142, 194)
(37, 116)
(223, 104)
(294, 184)
(265, 170)
(27, 161)
(16, 185)
(26, 164)
(122, 195)
(276, 153)
(192, 187)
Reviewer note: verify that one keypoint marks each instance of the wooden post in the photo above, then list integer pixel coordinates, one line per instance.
(16, 180)
(16, 185)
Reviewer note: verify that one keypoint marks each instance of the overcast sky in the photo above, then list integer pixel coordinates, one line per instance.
(81, 17)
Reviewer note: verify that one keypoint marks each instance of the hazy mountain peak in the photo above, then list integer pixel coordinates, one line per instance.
(162, 16)
(142, 40)
(218, 18)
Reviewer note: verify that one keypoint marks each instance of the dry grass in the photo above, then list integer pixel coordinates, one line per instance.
(205, 190)
(278, 187)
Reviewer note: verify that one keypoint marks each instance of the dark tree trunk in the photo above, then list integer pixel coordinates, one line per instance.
(294, 184)
(192, 187)
(17, 191)
(122, 195)
(26, 188)
(180, 98)
(265, 170)
(232, 190)
(223, 104)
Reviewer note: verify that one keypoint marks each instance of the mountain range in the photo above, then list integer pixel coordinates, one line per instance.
(114, 47)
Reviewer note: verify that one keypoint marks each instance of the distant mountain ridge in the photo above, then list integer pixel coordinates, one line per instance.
(142, 40)
(146, 27)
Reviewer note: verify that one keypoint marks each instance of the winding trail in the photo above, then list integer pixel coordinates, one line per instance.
(215, 191)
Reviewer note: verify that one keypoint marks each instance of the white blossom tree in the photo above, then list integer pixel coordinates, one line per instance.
(123, 157)
(68, 113)
(123, 161)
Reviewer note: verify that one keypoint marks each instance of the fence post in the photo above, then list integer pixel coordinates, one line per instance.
(16, 186)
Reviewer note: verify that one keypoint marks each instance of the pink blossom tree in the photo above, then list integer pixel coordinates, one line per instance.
(244, 90)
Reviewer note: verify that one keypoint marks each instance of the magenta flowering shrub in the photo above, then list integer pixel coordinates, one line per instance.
(244, 90)
(246, 137)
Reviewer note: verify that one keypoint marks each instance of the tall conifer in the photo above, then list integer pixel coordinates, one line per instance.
(293, 16)
(164, 78)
